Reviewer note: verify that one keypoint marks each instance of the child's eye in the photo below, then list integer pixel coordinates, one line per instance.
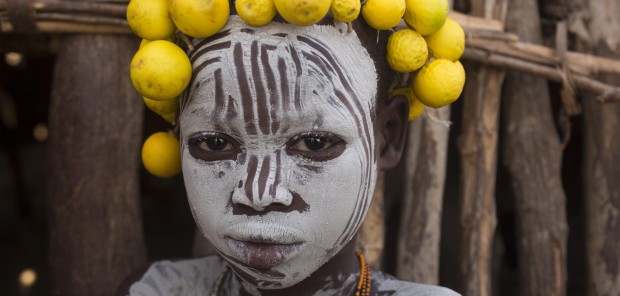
(319, 146)
(215, 143)
(212, 146)
(312, 143)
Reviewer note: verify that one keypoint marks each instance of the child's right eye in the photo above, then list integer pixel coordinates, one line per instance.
(213, 146)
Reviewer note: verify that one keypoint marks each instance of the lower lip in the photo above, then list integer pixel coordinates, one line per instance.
(263, 255)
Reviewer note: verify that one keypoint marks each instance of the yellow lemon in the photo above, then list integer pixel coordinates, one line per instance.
(172, 38)
(256, 12)
(303, 12)
(448, 42)
(346, 10)
(199, 18)
(406, 51)
(144, 42)
(461, 68)
(426, 16)
(383, 14)
(170, 117)
(150, 19)
(160, 70)
(415, 106)
(162, 107)
(161, 155)
(439, 83)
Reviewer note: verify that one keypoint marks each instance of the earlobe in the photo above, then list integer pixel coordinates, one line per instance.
(392, 122)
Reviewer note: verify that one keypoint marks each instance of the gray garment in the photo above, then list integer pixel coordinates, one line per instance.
(196, 277)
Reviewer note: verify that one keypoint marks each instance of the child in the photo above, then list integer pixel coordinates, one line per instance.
(283, 129)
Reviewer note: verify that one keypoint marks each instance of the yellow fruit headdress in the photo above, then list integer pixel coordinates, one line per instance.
(428, 45)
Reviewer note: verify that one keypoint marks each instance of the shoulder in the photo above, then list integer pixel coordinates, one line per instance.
(388, 285)
(183, 277)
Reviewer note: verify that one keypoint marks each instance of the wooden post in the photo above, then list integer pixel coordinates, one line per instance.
(94, 147)
(602, 160)
(533, 156)
(602, 195)
(478, 148)
(420, 225)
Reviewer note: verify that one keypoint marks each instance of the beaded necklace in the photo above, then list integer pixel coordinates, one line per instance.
(364, 282)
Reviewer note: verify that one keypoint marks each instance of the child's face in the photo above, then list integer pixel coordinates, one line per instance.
(278, 146)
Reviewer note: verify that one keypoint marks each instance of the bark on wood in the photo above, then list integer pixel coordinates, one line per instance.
(602, 192)
(602, 161)
(372, 232)
(72, 27)
(533, 155)
(605, 92)
(95, 137)
(578, 63)
(478, 149)
(478, 24)
(420, 226)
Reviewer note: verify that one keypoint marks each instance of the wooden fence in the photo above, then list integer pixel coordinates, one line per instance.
(534, 69)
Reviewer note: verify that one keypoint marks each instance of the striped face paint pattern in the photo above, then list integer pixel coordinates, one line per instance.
(259, 104)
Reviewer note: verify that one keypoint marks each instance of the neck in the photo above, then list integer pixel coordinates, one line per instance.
(336, 277)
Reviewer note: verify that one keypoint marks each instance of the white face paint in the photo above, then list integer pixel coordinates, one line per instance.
(278, 146)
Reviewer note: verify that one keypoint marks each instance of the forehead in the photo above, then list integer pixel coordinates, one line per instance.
(279, 66)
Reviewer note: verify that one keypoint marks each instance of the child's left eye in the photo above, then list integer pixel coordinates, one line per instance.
(319, 146)
(313, 143)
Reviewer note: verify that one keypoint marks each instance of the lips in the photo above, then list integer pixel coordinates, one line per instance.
(263, 245)
(263, 255)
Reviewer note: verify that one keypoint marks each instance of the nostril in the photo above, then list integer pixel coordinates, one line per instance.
(241, 197)
(241, 209)
(288, 202)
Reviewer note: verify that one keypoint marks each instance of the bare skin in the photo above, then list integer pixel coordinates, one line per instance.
(279, 146)
(281, 141)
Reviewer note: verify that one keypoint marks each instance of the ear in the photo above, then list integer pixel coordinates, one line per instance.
(392, 122)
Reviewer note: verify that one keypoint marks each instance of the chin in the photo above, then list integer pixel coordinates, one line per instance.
(281, 271)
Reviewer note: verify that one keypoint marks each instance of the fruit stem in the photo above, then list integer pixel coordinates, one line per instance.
(431, 113)
(405, 78)
(185, 40)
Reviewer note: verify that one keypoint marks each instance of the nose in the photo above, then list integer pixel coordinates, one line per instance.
(262, 185)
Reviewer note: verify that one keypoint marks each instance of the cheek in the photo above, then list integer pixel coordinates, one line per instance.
(337, 177)
(208, 187)
(335, 191)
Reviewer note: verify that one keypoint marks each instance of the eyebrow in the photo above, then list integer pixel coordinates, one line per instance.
(206, 118)
(265, 69)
